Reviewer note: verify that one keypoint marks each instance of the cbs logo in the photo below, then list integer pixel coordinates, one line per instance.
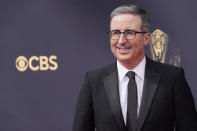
(36, 63)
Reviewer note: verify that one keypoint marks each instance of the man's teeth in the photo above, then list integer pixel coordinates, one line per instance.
(124, 48)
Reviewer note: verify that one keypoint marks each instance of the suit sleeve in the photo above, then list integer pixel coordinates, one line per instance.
(185, 112)
(84, 117)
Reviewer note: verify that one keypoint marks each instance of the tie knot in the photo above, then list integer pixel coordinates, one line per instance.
(131, 74)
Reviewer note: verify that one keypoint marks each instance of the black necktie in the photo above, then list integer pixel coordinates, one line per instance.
(131, 122)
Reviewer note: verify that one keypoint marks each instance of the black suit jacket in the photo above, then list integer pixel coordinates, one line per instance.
(166, 103)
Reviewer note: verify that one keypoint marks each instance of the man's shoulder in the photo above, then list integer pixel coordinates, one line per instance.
(164, 68)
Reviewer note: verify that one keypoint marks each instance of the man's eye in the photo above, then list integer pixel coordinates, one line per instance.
(116, 33)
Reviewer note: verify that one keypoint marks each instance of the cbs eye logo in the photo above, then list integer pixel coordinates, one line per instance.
(36, 63)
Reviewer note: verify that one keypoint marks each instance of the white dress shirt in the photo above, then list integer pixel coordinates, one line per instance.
(123, 84)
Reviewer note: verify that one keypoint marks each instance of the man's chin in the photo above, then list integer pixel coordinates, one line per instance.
(124, 59)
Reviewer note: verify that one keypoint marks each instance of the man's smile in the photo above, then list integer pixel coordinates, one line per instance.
(123, 49)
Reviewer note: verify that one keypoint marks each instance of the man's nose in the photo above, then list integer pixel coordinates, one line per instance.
(122, 39)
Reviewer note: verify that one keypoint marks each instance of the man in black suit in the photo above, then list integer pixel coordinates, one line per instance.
(134, 93)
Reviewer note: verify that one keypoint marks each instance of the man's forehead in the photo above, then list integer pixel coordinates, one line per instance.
(125, 21)
(126, 16)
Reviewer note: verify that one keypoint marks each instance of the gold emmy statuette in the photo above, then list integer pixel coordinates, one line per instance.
(158, 48)
(158, 45)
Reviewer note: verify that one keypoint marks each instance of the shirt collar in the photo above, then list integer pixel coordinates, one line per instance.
(139, 69)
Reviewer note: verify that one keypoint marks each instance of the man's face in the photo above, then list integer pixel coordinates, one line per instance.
(124, 50)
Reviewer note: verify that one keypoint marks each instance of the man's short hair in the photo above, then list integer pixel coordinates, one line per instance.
(133, 9)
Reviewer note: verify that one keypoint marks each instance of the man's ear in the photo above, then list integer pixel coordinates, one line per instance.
(147, 38)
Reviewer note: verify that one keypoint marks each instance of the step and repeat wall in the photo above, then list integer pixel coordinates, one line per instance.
(46, 46)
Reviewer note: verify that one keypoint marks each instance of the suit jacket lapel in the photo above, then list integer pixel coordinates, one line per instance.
(150, 86)
(112, 91)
